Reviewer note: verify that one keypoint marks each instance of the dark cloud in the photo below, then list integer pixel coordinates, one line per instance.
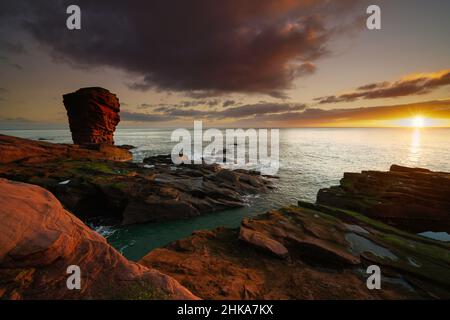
(229, 103)
(7, 46)
(16, 66)
(200, 46)
(410, 85)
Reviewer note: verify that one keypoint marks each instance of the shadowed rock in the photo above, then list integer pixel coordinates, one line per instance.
(93, 115)
(90, 186)
(39, 240)
(414, 199)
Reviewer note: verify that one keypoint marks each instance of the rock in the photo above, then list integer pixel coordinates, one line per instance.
(414, 199)
(93, 115)
(39, 240)
(259, 240)
(328, 251)
(125, 191)
(18, 150)
(127, 147)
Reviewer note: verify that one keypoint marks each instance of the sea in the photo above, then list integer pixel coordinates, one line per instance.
(309, 159)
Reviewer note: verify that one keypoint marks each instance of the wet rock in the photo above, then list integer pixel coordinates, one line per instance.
(127, 192)
(414, 199)
(93, 115)
(39, 240)
(320, 261)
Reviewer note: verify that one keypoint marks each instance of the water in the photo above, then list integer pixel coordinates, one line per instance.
(310, 159)
(360, 244)
(440, 236)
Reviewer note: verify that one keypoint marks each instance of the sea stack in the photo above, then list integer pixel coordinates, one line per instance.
(93, 115)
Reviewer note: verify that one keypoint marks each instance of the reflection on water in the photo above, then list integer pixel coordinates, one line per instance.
(360, 244)
(415, 148)
(441, 236)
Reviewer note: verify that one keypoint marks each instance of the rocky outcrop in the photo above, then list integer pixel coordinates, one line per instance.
(21, 151)
(128, 192)
(39, 240)
(306, 252)
(93, 115)
(414, 199)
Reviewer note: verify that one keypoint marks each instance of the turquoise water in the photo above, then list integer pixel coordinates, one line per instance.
(310, 159)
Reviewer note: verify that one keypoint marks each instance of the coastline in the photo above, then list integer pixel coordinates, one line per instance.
(311, 237)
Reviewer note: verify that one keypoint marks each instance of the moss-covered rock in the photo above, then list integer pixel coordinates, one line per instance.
(328, 252)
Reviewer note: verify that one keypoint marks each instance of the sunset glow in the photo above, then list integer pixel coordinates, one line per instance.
(418, 122)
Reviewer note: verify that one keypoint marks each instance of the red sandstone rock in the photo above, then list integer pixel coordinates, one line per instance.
(413, 199)
(39, 240)
(328, 254)
(216, 265)
(263, 242)
(13, 149)
(93, 115)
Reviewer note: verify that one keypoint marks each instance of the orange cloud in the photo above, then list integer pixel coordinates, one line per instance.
(414, 84)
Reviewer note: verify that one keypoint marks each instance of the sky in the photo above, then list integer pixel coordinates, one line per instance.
(254, 63)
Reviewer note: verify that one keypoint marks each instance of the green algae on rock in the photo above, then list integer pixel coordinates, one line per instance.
(320, 262)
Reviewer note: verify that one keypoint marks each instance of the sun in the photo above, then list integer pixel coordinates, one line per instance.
(418, 122)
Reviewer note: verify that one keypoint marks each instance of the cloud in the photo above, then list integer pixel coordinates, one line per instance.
(200, 46)
(258, 109)
(16, 66)
(144, 117)
(229, 103)
(351, 116)
(415, 84)
(16, 119)
(169, 113)
(11, 47)
(182, 104)
(298, 115)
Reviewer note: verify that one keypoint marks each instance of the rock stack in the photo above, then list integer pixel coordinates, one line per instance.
(93, 115)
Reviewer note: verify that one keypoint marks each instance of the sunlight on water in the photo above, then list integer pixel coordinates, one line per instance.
(415, 150)
(310, 159)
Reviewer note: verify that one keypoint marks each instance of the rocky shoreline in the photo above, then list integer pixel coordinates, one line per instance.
(413, 199)
(102, 183)
(312, 251)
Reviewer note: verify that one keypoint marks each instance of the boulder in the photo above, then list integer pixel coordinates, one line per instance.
(39, 240)
(93, 115)
(259, 240)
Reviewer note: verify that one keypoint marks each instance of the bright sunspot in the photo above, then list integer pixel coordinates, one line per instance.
(418, 122)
